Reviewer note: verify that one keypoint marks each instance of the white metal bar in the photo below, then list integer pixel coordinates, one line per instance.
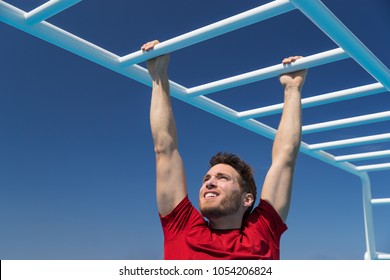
(269, 72)
(374, 167)
(318, 13)
(318, 100)
(363, 156)
(61, 38)
(380, 201)
(383, 256)
(368, 217)
(342, 123)
(48, 10)
(269, 132)
(249, 17)
(52, 34)
(351, 142)
(328, 158)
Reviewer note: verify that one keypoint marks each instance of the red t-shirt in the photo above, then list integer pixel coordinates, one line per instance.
(188, 237)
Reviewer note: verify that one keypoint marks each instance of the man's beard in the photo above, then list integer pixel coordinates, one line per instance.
(228, 205)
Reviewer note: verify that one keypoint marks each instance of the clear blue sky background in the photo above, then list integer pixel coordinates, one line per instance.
(77, 172)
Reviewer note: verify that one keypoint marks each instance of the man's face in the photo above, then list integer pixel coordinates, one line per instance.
(220, 194)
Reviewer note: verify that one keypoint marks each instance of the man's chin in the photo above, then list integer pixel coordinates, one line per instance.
(212, 212)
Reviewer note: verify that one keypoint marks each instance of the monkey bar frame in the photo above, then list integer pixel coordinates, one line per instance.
(349, 46)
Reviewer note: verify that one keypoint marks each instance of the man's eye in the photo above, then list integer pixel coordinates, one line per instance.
(223, 177)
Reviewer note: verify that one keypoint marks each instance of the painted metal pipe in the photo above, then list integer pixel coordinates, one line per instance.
(249, 17)
(320, 15)
(348, 122)
(383, 256)
(351, 142)
(318, 100)
(269, 132)
(363, 156)
(380, 201)
(48, 10)
(368, 217)
(269, 72)
(61, 38)
(374, 167)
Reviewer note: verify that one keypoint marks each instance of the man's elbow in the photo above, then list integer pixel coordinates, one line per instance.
(288, 155)
(164, 146)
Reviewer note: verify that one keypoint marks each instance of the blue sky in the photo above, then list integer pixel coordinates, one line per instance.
(77, 172)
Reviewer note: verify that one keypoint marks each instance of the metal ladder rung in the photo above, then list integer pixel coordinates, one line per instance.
(380, 201)
(374, 167)
(48, 10)
(383, 256)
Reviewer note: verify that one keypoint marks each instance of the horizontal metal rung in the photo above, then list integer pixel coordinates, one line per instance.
(380, 201)
(317, 100)
(48, 10)
(374, 167)
(348, 122)
(249, 17)
(383, 256)
(269, 72)
(364, 156)
(351, 142)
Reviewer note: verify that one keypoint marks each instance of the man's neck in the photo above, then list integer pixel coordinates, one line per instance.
(226, 222)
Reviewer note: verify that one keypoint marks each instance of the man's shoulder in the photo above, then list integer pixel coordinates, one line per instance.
(183, 217)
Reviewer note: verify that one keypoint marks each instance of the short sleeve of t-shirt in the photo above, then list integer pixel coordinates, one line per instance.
(265, 217)
(181, 218)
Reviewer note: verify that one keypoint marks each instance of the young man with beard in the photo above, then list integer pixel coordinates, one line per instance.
(228, 191)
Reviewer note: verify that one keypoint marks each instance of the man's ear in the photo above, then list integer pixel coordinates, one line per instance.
(248, 199)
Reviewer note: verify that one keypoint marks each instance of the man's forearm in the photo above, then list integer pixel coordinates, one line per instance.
(161, 117)
(288, 137)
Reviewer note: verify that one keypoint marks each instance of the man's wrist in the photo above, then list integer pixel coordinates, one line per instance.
(159, 76)
(292, 87)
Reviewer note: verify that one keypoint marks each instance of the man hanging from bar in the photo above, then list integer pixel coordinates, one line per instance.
(226, 225)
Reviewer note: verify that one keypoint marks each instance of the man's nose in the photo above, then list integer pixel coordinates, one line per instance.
(210, 184)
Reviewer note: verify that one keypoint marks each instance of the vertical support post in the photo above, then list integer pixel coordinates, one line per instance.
(368, 218)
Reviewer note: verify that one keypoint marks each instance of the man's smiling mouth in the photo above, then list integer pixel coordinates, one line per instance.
(210, 195)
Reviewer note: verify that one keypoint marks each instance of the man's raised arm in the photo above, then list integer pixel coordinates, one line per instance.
(278, 182)
(170, 176)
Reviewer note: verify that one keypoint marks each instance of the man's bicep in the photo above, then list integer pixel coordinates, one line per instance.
(170, 181)
(277, 188)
